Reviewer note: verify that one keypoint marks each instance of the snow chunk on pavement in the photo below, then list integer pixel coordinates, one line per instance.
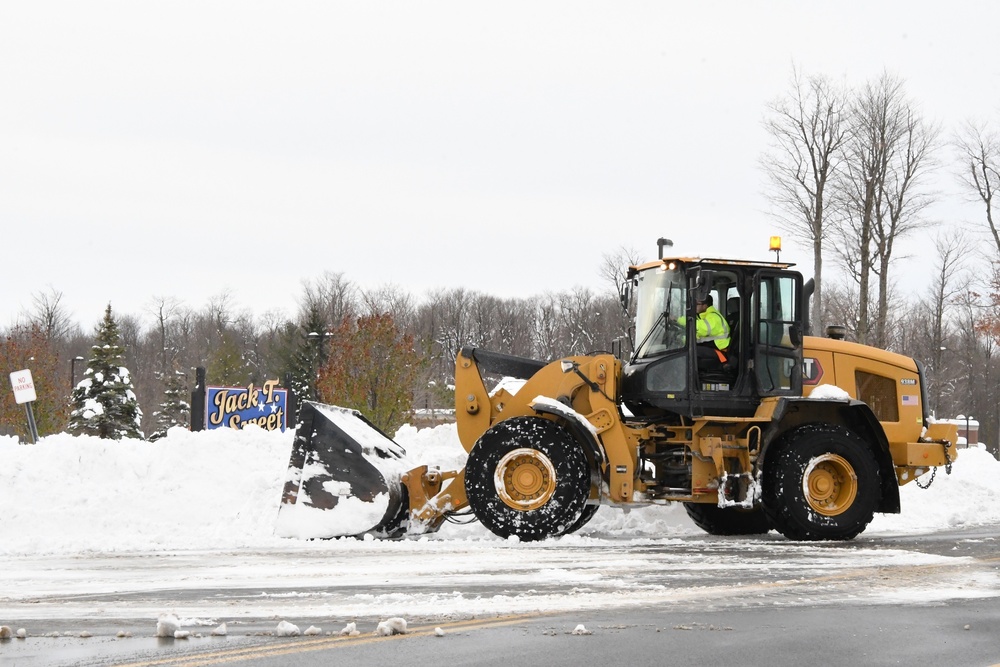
(391, 626)
(167, 625)
(350, 630)
(6, 632)
(580, 630)
(220, 631)
(286, 629)
(311, 631)
(438, 632)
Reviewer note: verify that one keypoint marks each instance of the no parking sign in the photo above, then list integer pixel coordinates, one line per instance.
(24, 392)
(24, 386)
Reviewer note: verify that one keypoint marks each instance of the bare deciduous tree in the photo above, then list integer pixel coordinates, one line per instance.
(952, 251)
(49, 315)
(979, 156)
(332, 295)
(163, 310)
(389, 299)
(808, 130)
(614, 266)
(615, 270)
(887, 155)
(927, 326)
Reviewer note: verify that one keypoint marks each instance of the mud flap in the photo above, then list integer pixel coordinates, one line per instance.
(343, 478)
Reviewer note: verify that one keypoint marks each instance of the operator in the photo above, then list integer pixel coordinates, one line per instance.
(712, 331)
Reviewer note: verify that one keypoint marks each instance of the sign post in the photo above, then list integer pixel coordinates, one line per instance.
(24, 392)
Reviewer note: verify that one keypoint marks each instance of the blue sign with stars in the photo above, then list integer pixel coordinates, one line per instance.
(235, 407)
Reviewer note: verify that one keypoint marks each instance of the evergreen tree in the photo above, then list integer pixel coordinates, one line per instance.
(226, 365)
(310, 356)
(104, 402)
(175, 410)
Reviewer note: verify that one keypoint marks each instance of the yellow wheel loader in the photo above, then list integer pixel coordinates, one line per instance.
(803, 435)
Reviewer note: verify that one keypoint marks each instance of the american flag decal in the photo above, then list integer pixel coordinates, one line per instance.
(910, 400)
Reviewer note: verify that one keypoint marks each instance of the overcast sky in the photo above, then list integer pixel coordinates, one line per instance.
(183, 149)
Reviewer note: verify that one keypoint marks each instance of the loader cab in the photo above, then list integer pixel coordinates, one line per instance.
(762, 305)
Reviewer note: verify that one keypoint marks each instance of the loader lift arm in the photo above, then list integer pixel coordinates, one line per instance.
(331, 484)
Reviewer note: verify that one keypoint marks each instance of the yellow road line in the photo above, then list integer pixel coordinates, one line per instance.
(301, 646)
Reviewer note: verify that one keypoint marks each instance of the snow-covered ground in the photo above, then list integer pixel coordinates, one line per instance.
(220, 490)
(83, 516)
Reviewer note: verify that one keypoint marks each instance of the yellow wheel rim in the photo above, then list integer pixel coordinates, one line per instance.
(830, 484)
(525, 479)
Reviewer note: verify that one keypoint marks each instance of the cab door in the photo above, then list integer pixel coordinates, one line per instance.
(777, 333)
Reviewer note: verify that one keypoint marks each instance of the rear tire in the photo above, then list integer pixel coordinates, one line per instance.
(716, 520)
(527, 476)
(821, 483)
(588, 513)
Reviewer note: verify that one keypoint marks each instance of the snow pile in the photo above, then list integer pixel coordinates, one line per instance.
(189, 490)
(218, 490)
(167, 625)
(970, 496)
(391, 626)
(286, 629)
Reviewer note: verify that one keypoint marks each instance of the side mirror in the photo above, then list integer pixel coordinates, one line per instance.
(625, 295)
(701, 283)
(795, 335)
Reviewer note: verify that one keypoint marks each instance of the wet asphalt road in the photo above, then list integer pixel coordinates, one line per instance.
(961, 633)
(928, 599)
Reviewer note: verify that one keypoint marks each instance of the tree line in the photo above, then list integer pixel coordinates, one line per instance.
(378, 350)
(851, 170)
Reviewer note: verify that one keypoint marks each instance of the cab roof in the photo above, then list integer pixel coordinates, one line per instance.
(705, 260)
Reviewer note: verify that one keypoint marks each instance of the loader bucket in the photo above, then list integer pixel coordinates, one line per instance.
(343, 478)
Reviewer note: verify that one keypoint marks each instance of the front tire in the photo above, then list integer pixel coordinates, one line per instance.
(527, 476)
(821, 483)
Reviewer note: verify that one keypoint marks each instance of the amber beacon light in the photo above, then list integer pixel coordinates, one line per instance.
(776, 247)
